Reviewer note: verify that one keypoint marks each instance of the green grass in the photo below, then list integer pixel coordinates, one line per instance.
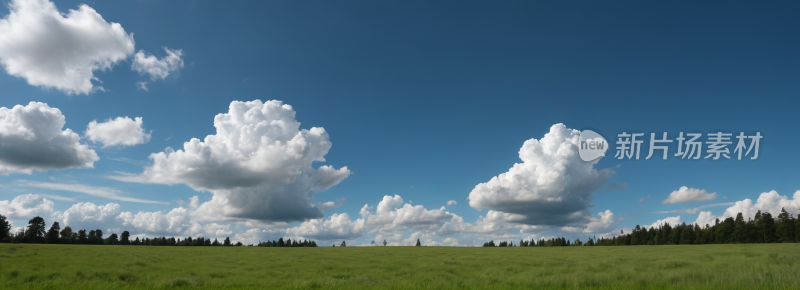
(767, 266)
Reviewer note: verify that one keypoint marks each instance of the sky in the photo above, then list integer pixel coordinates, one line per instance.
(454, 123)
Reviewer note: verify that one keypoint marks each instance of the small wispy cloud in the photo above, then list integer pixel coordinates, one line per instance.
(105, 192)
(689, 210)
(620, 186)
(56, 197)
(128, 160)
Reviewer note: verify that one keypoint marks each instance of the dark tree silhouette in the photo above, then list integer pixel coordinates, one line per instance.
(384, 243)
(113, 239)
(125, 238)
(5, 228)
(418, 243)
(52, 234)
(343, 244)
(36, 230)
(67, 236)
(227, 241)
(98, 235)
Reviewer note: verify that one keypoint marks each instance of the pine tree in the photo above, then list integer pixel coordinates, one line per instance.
(36, 230)
(418, 243)
(227, 241)
(5, 228)
(53, 234)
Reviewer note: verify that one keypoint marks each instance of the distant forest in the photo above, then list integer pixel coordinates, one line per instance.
(763, 228)
(36, 232)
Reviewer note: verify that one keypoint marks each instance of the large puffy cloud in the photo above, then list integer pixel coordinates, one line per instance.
(87, 215)
(258, 165)
(392, 215)
(770, 202)
(672, 221)
(552, 185)
(122, 131)
(32, 139)
(158, 68)
(26, 206)
(606, 222)
(55, 50)
(338, 227)
(685, 194)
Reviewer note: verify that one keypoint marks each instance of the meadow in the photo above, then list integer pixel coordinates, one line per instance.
(739, 266)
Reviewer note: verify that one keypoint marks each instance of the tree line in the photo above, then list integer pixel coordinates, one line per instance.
(762, 228)
(288, 243)
(36, 232)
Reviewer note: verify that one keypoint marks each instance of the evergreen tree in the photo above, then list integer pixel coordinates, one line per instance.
(343, 244)
(53, 234)
(5, 229)
(280, 242)
(227, 241)
(36, 230)
(384, 243)
(785, 227)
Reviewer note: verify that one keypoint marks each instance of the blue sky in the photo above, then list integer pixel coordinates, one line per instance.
(421, 100)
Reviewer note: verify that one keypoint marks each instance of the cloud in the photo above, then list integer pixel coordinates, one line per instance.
(157, 68)
(104, 192)
(55, 50)
(451, 202)
(606, 222)
(672, 221)
(705, 218)
(89, 216)
(32, 139)
(338, 227)
(257, 166)
(117, 132)
(142, 86)
(770, 202)
(645, 198)
(332, 204)
(392, 215)
(685, 194)
(26, 206)
(552, 186)
(689, 210)
(56, 197)
(620, 186)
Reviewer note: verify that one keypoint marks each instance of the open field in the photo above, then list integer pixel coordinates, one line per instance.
(748, 266)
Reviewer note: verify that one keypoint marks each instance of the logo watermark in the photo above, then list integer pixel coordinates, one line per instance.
(717, 145)
(592, 145)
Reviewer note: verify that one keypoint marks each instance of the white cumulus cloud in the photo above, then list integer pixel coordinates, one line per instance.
(606, 222)
(257, 166)
(338, 227)
(770, 202)
(451, 202)
(672, 221)
(26, 206)
(32, 139)
(146, 63)
(122, 131)
(552, 185)
(60, 50)
(685, 194)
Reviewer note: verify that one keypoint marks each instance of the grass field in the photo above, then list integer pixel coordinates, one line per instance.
(768, 266)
